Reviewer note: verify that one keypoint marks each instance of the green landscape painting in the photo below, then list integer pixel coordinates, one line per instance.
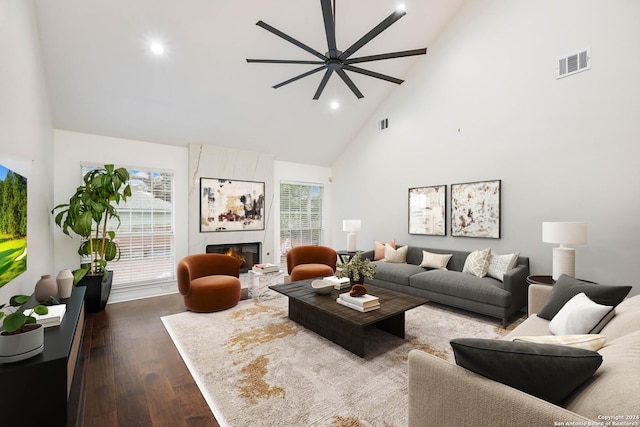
(13, 225)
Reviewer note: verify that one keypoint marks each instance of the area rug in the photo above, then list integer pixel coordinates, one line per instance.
(255, 367)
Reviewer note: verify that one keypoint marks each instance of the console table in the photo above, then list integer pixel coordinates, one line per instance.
(49, 386)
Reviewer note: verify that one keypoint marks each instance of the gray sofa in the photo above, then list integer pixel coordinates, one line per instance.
(451, 287)
(610, 397)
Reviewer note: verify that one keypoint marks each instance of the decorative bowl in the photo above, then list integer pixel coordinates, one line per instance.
(322, 287)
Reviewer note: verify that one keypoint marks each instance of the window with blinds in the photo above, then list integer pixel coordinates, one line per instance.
(300, 216)
(146, 232)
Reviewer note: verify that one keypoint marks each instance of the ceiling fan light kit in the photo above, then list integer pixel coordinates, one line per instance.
(339, 61)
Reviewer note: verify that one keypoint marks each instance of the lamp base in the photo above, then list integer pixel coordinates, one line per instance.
(351, 242)
(564, 262)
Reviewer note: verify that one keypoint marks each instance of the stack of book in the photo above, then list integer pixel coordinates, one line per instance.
(53, 318)
(362, 303)
(265, 268)
(338, 282)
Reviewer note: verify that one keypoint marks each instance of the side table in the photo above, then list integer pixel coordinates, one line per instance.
(345, 256)
(540, 280)
(259, 284)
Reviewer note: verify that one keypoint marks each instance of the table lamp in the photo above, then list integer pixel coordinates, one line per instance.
(564, 233)
(351, 226)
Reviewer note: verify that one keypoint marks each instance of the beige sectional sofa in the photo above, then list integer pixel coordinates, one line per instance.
(444, 394)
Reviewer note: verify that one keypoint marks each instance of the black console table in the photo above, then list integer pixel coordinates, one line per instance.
(49, 387)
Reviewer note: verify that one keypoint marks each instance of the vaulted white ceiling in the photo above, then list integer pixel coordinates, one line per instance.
(103, 79)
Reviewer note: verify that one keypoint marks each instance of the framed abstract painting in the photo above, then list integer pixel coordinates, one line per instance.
(231, 205)
(427, 210)
(475, 209)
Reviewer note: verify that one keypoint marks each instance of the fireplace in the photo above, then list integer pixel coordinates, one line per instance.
(247, 253)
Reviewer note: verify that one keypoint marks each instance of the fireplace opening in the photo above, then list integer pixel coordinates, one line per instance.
(247, 253)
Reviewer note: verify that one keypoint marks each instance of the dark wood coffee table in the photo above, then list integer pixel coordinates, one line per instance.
(343, 325)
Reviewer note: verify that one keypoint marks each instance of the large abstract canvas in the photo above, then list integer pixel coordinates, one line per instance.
(475, 209)
(13, 225)
(427, 210)
(231, 205)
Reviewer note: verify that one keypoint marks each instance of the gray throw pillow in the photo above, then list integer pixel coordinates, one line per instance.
(567, 287)
(550, 372)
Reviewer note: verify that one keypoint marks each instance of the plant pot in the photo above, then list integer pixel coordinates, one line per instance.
(360, 281)
(98, 290)
(21, 346)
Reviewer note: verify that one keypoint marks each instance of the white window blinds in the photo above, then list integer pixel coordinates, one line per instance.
(300, 216)
(146, 232)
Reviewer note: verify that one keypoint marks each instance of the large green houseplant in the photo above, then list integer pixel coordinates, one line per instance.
(87, 214)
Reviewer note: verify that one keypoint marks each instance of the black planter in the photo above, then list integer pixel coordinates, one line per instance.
(98, 290)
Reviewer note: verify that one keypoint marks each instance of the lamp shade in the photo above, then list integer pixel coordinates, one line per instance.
(564, 233)
(351, 225)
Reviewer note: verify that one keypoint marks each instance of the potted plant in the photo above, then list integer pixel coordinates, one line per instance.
(21, 337)
(357, 269)
(87, 214)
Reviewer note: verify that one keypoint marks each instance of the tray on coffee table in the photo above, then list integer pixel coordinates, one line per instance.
(343, 325)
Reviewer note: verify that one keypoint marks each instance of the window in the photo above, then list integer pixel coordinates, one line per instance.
(300, 216)
(146, 232)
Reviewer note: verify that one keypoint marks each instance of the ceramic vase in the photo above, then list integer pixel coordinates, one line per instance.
(45, 288)
(64, 279)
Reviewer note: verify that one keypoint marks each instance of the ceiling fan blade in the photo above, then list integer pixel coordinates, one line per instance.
(323, 83)
(350, 83)
(283, 61)
(373, 33)
(308, 73)
(329, 28)
(372, 74)
(290, 39)
(387, 56)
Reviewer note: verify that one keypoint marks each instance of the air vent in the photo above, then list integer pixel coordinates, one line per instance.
(383, 125)
(574, 63)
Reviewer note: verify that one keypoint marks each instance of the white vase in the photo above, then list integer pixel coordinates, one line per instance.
(45, 288)
(65, 283)
(21, 346)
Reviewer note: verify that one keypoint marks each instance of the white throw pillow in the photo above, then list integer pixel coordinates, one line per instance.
(395, 255)
(500, 264)
(580, 315)
(431, 260)
(587, 341)
(477, 262)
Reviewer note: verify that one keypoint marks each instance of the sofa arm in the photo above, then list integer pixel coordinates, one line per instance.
(444, 394)
(367, 254)
(515, 281)
(538, 296)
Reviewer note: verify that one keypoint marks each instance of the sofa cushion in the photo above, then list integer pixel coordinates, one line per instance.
(626, 319)
(500, 264)
(567, 287)
(395, 255)
(378, 249)
(587, 341)
(580, 315)
(396, 273)
(431, 260)
(477, 262)
(462, 285)
(615, 388)
(550, 372)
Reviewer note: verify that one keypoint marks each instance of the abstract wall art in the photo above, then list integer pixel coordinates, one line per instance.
(475, 209)
(427, 210)
(231, 205)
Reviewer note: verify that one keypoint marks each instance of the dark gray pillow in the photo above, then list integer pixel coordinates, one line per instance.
(567, 287)
(550, 372)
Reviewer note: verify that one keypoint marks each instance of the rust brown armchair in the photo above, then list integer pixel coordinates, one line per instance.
(308, 262)
(209, 282)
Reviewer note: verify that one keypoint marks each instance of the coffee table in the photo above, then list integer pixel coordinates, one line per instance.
(343, 325)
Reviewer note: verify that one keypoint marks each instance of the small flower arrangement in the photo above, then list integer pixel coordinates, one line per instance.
(357, 269)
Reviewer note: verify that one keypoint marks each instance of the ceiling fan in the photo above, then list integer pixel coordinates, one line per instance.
(335, 60)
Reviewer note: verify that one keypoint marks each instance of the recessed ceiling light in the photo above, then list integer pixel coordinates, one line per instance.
(401, 7)
(335, 105)
(157, 48)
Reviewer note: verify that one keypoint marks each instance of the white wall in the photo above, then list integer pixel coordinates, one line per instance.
(73, 148)
(300, 173)
(26, 134)
(484, 104)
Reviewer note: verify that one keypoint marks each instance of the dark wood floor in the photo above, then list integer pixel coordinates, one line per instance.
(135, 375)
